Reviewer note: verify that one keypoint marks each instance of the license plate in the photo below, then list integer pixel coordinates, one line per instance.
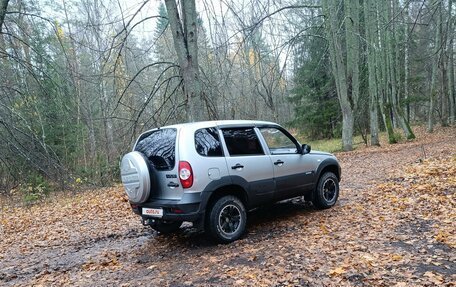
(154, 212)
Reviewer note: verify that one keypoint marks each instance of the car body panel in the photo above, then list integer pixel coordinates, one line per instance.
(261, 180)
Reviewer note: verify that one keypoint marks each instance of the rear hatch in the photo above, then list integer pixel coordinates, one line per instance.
(159, 146)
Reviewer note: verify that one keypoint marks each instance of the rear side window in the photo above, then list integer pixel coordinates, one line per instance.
(159, 147)
(207, 142)
(242, 141)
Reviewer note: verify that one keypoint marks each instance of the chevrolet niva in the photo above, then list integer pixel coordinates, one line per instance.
(212, 173)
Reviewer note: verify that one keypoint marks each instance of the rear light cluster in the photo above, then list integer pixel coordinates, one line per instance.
(176, 210)
(185, 174)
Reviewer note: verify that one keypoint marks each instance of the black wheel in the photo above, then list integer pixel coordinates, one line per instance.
(227, 219)
(327, 191)
(166, 227)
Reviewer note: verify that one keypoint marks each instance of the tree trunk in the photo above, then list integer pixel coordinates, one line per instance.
(435, 66)
(107, 121)
(352, 47)
(344, 86)
(450, 74)
(382, 75)
(3, 8)
(406, 62)
(396, 77)
(185, 37)
(371, 66)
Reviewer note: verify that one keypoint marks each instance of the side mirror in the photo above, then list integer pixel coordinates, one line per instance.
(305, 149)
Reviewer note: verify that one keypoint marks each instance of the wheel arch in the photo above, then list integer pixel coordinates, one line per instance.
(331, 168)
(229, 189)
(331, 165)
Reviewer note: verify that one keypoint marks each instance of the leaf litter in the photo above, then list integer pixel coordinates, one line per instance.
(393, 226)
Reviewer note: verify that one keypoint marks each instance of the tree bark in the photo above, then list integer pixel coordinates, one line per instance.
(3, 9)
(450, 74)
(371, 66)
(435, 66)
(396, 67)
(406, 62)
(185, 35)
(347, 84)
(352, 45)
(382, 74)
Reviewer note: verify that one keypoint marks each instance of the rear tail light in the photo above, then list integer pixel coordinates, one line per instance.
(185, 174)
(176, 210)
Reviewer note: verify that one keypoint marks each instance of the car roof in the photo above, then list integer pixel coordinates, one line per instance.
(207, 124)
(222, 123)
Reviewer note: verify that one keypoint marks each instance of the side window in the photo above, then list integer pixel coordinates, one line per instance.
(278, 142)
(159, 147)
(207, 142)
(242, 141)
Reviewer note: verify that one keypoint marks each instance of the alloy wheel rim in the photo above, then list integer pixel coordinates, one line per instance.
(229, 219)
(329, 190)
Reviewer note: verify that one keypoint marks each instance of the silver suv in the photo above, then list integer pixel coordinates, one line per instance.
(212, 173)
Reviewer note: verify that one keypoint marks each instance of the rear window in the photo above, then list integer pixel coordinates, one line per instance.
(242, 141)
(207, 142)
(159, 147)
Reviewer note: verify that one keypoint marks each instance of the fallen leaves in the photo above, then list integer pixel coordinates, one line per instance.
(336, 272)
(393, 226)
(437, 279)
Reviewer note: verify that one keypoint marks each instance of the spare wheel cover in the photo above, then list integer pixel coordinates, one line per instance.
(135, 176)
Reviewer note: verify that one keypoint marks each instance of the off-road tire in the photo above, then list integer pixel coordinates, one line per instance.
(327, 191)
(227, 219)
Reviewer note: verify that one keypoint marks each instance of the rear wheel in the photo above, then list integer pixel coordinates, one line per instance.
(327, 191)
(166, 227)
(227, 219)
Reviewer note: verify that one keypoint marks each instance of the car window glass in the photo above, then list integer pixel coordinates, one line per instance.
(159, 147)
(242, 141)
(207, 142)
(277, 141)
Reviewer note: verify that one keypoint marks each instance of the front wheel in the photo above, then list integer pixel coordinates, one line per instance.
(327, 191)
(227, 219)
(166, 227)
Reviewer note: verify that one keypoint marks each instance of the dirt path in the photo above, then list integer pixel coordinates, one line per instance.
(382, 232)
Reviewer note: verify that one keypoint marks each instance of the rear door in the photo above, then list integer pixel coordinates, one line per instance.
(159, 146)
(248, 164)
(293, 172)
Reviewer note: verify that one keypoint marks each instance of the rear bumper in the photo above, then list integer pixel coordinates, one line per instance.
(188, 208)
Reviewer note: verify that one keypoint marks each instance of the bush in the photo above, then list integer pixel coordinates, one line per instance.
(36, 188)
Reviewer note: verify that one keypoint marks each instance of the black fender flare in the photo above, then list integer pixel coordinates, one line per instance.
(329, 162)
(224, 181)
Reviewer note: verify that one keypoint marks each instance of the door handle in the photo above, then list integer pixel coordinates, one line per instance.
(237, 166)
(173, 185)
(279, 163)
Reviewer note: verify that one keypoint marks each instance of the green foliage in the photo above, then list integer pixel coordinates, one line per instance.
(330, 145)
(397, 137)
(317, 111)
(162, 22)
(35, 188)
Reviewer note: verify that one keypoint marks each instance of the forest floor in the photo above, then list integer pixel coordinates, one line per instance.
(394, 225)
